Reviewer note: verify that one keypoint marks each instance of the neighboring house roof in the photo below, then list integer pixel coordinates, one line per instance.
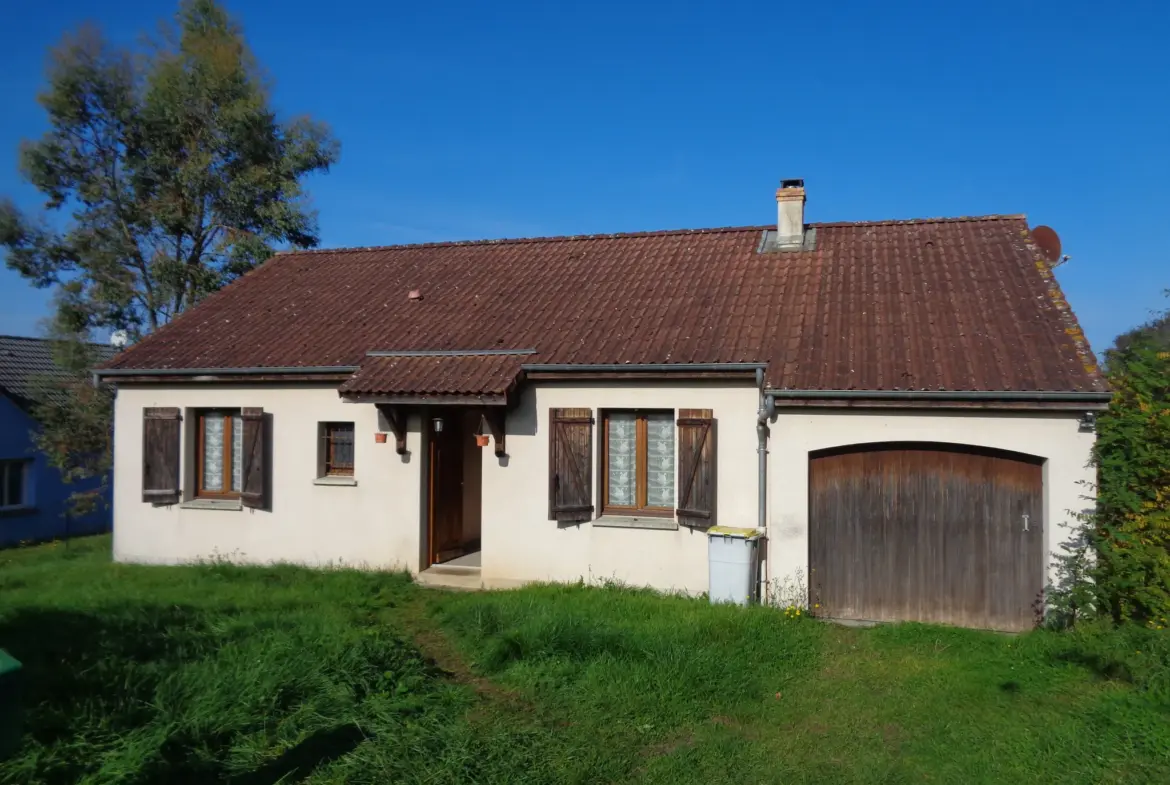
(27, 363)
(936, 304)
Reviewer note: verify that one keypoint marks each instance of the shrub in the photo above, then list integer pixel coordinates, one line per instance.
(1130, 528)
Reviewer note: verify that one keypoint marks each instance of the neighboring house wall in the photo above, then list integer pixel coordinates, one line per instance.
(375, 523)
(521, 543)
(46, 495)
(1055, 437)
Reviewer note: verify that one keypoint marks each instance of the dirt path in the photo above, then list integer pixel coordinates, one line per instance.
(415, 618)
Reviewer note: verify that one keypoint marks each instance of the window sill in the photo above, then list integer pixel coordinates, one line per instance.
(18, 511)
(212, 504)
(335, 481)
(636, 522)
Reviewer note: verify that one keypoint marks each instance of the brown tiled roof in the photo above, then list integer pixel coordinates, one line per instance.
(491, 375)
(936, 304)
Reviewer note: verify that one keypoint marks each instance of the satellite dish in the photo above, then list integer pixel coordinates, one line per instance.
(119, 338)
(1048, 241)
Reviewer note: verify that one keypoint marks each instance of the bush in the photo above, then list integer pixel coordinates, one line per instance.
(1131, 526)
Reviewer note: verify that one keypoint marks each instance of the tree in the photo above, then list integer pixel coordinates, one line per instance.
(1157, 330)
(175, 169)
(75, 422)
(169, 175)
(1131, 524)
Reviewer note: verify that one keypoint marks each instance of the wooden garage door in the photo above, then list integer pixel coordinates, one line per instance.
(926, 532)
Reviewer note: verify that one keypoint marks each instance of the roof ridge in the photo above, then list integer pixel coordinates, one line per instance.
(633, 235)
(521, 240)
(934, 220)
(41, 340)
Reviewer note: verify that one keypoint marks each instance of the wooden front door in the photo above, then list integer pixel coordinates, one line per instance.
(446, 490)
(932, 533)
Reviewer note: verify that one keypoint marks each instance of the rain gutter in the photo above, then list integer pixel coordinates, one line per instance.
(276, 370)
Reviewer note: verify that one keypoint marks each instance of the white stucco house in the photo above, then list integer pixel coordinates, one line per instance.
(904, 407)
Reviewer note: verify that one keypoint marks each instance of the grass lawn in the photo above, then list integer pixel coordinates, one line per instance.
(262, 675)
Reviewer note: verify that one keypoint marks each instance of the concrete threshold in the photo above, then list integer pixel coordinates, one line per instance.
(442, 576)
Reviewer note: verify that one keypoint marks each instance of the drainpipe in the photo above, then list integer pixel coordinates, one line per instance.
(767, 408)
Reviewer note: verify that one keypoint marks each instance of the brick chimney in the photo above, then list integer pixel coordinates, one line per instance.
(790, 214)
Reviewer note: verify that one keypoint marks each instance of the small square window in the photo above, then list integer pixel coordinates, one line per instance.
(13, 484)
(336, 450)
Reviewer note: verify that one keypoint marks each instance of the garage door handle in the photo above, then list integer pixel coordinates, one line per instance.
(1025, 523)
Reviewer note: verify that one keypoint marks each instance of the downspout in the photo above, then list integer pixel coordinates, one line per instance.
(766, 410)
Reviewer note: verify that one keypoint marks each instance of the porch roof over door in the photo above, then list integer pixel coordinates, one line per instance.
(486, 377)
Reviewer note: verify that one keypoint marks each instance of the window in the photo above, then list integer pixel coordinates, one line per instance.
(336, 449)
(13, 491)
(220, 453)
(638, 463)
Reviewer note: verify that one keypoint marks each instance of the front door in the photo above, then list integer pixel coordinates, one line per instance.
(446, 490)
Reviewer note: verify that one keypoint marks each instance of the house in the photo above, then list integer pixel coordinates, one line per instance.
(904, 406)
(33, 495)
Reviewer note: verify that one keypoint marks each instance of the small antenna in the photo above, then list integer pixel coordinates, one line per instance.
(1048, 241)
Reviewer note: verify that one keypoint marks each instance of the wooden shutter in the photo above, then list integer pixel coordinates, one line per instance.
(161, 446)
(570, 465)
(252, 485)
(696, 468)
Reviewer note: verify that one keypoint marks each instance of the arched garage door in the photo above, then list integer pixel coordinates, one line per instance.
(926, 532)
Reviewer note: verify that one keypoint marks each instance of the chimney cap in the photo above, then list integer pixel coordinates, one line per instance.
(797, 182)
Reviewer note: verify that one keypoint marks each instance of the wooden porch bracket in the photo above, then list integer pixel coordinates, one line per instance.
(495, 419)
(395, 417)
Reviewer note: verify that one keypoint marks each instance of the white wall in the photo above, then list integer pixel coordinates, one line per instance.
(376, 523)
(520, 542)
(380, 522)
(797, 432)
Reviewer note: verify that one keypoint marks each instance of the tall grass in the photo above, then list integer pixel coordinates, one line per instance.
(217, 673)
(677, 691)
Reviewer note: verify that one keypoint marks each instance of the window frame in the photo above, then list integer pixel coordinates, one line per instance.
(326, 446)
(641, 460)
(21, 465)
(229, 424)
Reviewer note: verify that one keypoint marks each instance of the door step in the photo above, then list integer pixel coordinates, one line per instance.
(451, 577)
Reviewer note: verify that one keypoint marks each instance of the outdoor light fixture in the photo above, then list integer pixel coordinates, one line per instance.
(437, 424)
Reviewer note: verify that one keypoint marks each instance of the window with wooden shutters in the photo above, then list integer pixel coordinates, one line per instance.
(637, 463)
(161, 448)
(252, 458)
(219, 454)
(570, 465)
(696, 468)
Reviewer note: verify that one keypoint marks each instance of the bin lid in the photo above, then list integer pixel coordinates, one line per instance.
(746, 533)
(8, 662)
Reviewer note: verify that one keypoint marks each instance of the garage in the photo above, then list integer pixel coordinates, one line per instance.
(926, 532)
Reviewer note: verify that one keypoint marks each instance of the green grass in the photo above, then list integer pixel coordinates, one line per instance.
(216, 673)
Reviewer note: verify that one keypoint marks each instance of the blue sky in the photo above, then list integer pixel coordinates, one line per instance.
(466, 120)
